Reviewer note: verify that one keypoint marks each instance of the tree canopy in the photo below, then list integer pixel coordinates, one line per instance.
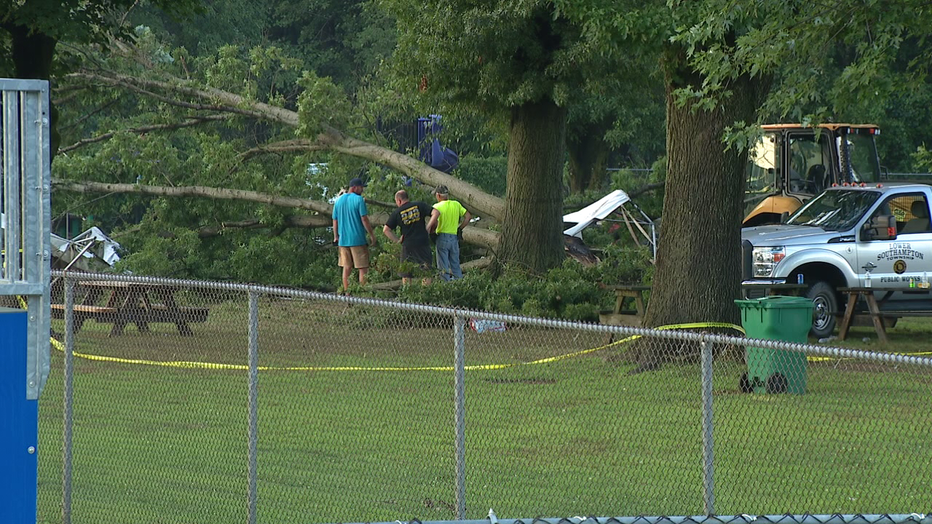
(180, 114)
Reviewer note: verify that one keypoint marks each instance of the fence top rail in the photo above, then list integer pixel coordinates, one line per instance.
(672, 333)
(918, 518)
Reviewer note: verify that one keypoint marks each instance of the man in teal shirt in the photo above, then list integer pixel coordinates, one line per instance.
(447, 219)
(350, 224)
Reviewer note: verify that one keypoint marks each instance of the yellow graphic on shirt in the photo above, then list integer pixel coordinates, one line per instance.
(410, 215)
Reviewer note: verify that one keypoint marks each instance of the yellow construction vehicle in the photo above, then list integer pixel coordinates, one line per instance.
(792, 163)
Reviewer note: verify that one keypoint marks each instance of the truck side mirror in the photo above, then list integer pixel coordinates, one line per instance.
(881, 227)
(783, 216)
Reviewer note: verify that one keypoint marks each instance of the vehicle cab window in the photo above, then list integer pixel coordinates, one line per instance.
(913, 213)
(807, 164)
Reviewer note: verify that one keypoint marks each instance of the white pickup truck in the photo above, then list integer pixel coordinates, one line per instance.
(852, 236)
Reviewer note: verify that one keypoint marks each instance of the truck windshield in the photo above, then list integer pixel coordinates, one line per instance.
(834, 210)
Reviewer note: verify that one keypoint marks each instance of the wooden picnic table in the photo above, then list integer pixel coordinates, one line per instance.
(131, 303)
(635, 293)
(873, 307)
(620, 316)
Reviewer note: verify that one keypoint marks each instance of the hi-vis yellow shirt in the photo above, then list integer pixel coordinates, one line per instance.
(450, 213)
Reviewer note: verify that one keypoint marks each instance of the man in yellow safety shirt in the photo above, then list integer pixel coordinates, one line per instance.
(447, 219)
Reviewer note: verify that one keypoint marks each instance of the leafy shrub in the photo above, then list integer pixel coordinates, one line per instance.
(651, 202)
(486, 173)
(922, 158)
(572, 291)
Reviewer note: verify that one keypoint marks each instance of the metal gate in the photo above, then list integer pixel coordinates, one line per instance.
(25, 215)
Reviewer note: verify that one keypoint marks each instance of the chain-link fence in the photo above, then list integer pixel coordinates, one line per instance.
(205, 402)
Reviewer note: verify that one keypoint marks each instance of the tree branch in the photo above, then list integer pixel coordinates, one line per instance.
(195, 191)
(645, 189)
(231, 103)
(302, 221)
(476, 200)
(85, 116)
(145, 129)
(471, 235)
(392, 285)
(285, 146)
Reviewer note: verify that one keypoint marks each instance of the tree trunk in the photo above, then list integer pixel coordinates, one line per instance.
(532, 230)
(587, 160)
(698, 269)
(32, 54)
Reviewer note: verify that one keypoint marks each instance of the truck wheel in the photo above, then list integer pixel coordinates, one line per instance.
(825, 306)
(744, 384)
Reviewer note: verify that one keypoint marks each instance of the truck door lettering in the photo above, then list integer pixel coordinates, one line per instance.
(900, 251)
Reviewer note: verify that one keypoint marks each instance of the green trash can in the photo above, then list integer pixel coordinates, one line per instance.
(775, 318)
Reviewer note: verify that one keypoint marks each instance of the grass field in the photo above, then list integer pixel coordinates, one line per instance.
(353, 428)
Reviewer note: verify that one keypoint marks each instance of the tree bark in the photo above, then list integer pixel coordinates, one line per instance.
(698, 270)
(32, 53)
(588, 154)
(533, 225)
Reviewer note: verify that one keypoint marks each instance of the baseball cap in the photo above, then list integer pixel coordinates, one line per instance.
(356, 182)
(442, 190)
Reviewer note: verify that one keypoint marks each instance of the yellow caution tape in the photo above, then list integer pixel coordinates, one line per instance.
(485, 367)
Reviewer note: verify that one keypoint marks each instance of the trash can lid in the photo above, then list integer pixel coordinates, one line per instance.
(775, 301)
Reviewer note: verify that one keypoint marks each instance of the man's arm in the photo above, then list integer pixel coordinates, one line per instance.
(368, 226)
(336, 232)
(390, 234)
(466, 218)
(432, 223)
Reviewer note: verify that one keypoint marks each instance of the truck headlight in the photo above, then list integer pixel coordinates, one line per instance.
(765, 259)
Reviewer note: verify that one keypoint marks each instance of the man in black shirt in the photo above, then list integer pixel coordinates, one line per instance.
(412, 218)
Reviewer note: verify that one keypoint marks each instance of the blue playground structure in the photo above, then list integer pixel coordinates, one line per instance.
(430, 151)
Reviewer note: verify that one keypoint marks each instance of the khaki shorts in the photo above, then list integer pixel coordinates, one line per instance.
(356, 256)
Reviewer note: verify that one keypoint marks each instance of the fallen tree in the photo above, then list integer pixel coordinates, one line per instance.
(213, 101)
(471, 235)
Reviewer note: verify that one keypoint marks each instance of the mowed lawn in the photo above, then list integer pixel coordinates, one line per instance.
(356, 423)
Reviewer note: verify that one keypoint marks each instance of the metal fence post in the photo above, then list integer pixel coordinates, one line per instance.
(708, 481)
(68, 432)
(459, 384)
(252, 497)
(25, 164)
